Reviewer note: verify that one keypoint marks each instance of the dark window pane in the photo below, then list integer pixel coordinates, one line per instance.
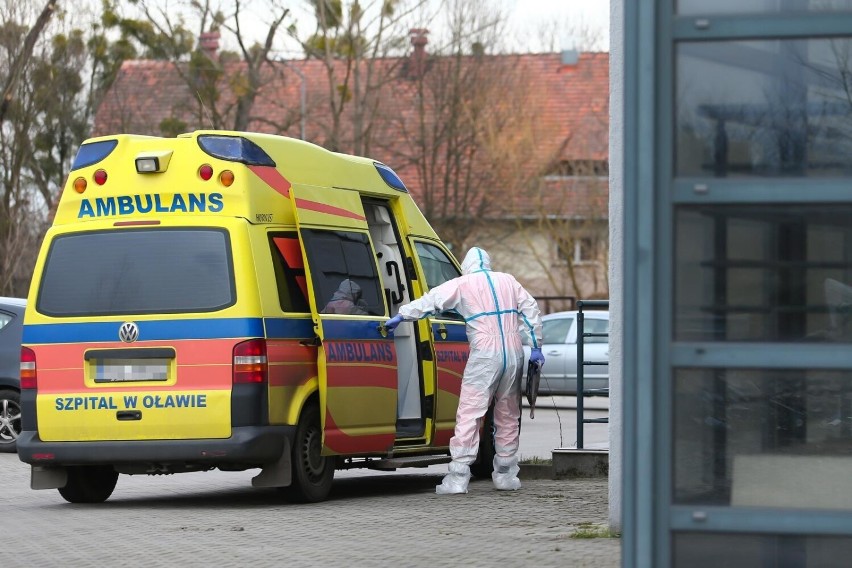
(137, 272)
(773, 108)
(436, 265)
(702, 550)
(692, 7)
(438, 269)
(289, 273)
(343, 271)
(594, 325)
(763, 273)
(768, 438)
(556, 330)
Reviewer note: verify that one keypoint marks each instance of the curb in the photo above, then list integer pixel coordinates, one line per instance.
(577, 463)
(535, 471)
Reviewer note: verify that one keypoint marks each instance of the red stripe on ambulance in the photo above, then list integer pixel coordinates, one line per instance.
(273, 178)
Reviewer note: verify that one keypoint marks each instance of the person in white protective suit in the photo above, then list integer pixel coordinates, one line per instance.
(498, 312)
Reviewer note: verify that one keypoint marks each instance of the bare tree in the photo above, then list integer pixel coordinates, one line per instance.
(353, 41)
(462, 140)
(21, 58)
(222, 86)
(563, 231)
(48, 114)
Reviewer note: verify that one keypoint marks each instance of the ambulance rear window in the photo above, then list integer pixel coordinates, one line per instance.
(137, 271)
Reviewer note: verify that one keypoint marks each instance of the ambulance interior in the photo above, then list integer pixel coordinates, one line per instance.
(410, 421)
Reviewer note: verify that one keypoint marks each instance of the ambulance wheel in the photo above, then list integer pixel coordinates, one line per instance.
(484, 464)
(89, 483)
(313, 473)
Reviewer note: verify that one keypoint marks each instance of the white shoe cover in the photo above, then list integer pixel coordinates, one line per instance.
(505, 474)
(455, 481)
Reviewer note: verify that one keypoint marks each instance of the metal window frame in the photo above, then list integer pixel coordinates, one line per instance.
(651, 193)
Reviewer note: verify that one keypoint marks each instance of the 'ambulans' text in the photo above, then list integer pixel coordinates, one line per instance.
(135, 204)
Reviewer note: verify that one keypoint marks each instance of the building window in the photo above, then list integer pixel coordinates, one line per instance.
(579, 168)
(789, 119)
(763, 272)
(576, 250)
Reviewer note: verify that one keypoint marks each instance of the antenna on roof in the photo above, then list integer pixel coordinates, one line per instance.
(204, 108)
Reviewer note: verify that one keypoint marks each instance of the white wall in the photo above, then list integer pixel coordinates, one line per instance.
(616, 255)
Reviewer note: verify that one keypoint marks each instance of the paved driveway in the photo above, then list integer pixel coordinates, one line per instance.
(372, 520)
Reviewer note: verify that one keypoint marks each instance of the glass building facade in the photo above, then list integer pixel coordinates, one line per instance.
(738, 283)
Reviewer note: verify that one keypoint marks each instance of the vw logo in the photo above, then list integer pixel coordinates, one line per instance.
(128, 332)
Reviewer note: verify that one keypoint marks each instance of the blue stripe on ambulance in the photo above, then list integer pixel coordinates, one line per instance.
(350, 329)
(454, 332)
(159, 330)
(289, 328)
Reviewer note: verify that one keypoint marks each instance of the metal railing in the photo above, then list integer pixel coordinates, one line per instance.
(582, 364)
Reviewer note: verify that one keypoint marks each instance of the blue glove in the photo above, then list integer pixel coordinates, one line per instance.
(537, 357)
(393, 322)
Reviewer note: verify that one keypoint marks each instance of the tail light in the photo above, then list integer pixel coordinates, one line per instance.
(28, 369)
(250, 363)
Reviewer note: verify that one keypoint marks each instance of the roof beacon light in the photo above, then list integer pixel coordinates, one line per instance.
(235, 149)
(153, 162)
(390, 177)
(92, 153)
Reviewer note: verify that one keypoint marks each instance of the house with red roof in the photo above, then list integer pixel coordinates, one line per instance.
(507, 152)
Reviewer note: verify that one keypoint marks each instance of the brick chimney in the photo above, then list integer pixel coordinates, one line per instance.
(417, 64)
(209, 43)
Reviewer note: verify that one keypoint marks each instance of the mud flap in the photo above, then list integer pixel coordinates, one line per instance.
(278, 474)
(48, 477)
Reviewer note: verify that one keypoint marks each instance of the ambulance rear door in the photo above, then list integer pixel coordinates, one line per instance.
(356, 357)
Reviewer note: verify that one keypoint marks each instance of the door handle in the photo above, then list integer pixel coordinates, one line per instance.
(314, 342)
(129, 415)
(383, 330)
(554, 353)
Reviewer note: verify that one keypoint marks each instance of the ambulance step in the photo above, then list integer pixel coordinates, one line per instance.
(390, 464)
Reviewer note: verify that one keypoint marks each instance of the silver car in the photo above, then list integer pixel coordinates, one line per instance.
(559, 345)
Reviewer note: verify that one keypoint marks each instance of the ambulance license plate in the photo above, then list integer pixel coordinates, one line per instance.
(131, 370)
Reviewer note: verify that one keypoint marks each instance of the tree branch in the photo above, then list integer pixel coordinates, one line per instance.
(24, 56)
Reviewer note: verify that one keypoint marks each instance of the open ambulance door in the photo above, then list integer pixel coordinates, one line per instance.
(356, 359)
(449, 338)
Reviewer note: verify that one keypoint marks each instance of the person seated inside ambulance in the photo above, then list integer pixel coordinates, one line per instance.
(346, 300)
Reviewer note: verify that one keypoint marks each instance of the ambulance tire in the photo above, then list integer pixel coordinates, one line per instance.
(484, 464)
(313, 473)
(89, 483)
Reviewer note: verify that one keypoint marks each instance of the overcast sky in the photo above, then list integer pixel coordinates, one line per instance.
(580, 21)
(537, 25)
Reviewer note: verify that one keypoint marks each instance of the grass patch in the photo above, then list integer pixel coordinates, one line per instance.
(591, 530)
(536, 461)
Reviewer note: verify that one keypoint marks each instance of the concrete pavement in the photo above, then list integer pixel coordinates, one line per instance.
(373, 519)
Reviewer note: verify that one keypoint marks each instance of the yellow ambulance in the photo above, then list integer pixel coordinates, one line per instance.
(217, 300)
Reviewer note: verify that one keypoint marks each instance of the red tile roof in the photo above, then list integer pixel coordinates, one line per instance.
(568, 106)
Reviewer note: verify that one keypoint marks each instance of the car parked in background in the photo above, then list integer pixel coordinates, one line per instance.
(11, 327)
(559, 345)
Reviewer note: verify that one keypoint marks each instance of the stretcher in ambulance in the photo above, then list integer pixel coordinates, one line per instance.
(217, 300)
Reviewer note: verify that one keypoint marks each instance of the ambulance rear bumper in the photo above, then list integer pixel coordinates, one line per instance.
(247, 446)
